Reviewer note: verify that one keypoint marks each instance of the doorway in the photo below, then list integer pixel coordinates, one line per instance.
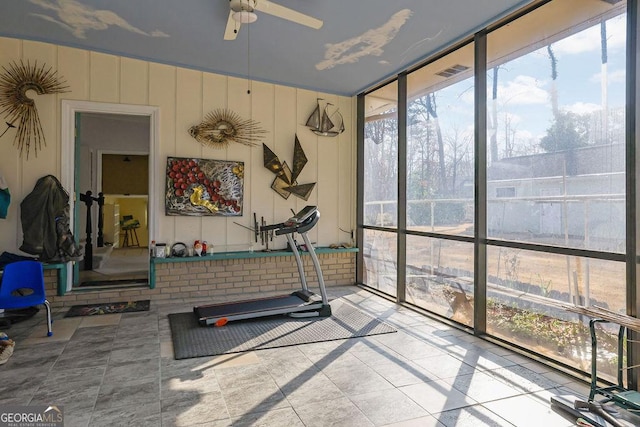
(110, 148)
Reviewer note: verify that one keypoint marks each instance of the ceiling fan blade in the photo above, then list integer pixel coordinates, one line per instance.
(233, 26)
(289, 14)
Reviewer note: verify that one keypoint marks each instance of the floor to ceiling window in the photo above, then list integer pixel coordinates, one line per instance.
(555, 188)
(439, 182)
(381, 189)
(556, 174)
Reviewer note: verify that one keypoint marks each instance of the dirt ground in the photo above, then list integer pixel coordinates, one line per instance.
(597, 281)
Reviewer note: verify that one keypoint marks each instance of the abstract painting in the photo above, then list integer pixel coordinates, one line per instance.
(203, 187)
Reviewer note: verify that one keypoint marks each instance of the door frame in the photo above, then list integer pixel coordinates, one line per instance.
(68, 146)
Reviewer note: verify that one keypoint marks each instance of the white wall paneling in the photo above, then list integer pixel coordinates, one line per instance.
(180, 99)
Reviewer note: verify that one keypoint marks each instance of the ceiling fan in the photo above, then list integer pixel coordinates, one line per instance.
(243, 12)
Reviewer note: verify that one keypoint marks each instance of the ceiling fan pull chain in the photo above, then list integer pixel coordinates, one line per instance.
(248, 61)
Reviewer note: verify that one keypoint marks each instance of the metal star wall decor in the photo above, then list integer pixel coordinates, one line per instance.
(285, 182)
(222, 126)
(15, 80)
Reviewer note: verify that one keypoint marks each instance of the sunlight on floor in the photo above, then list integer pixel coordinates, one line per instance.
(121, 263)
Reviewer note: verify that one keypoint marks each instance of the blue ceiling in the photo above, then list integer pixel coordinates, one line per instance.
(361, 43)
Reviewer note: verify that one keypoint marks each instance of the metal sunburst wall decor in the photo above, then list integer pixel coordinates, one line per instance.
(15, 80)
(223, 126)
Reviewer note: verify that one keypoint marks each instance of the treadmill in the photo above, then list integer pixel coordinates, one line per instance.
(301, 303)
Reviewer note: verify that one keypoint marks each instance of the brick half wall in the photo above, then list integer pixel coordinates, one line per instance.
(219, 280)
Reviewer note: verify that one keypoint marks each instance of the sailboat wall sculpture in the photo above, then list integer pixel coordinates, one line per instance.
(324, 123)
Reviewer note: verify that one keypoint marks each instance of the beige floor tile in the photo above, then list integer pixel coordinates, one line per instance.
(166, 349)
(100, 320)
(520, 410)
(237, 359)
(63, 329)
(437, 396)
(427, 421)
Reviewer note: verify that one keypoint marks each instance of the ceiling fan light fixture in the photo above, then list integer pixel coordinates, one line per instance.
(245, 17)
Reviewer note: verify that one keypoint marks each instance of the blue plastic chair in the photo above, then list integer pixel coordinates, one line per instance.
(28, 278)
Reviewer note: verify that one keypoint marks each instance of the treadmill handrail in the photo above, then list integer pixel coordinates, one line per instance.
(271, 226)
(303, 221)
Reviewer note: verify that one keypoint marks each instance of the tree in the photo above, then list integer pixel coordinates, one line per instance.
(604, 81)
(554, 78)
(381, 158)
(426, 107)
(567, 132)
(509, 136)
(493, 145)
(460, 157)
(432, 108)
(420, 163)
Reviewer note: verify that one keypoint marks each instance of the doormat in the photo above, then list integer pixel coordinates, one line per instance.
(108, 308)
(192, 340)
(117, 282)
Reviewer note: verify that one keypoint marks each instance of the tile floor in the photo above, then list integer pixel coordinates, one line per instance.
(121, 263)
(119, 370)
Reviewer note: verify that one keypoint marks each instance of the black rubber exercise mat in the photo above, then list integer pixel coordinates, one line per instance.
(190, 339)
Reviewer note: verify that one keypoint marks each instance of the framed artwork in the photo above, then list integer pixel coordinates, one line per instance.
(203, 187)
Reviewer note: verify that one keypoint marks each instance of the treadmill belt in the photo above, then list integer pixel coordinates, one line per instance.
(249, 306)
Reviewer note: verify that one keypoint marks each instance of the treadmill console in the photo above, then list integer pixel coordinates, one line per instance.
(301, 222)
(301, 216)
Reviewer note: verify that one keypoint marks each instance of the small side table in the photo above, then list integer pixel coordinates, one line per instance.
(130, 235)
